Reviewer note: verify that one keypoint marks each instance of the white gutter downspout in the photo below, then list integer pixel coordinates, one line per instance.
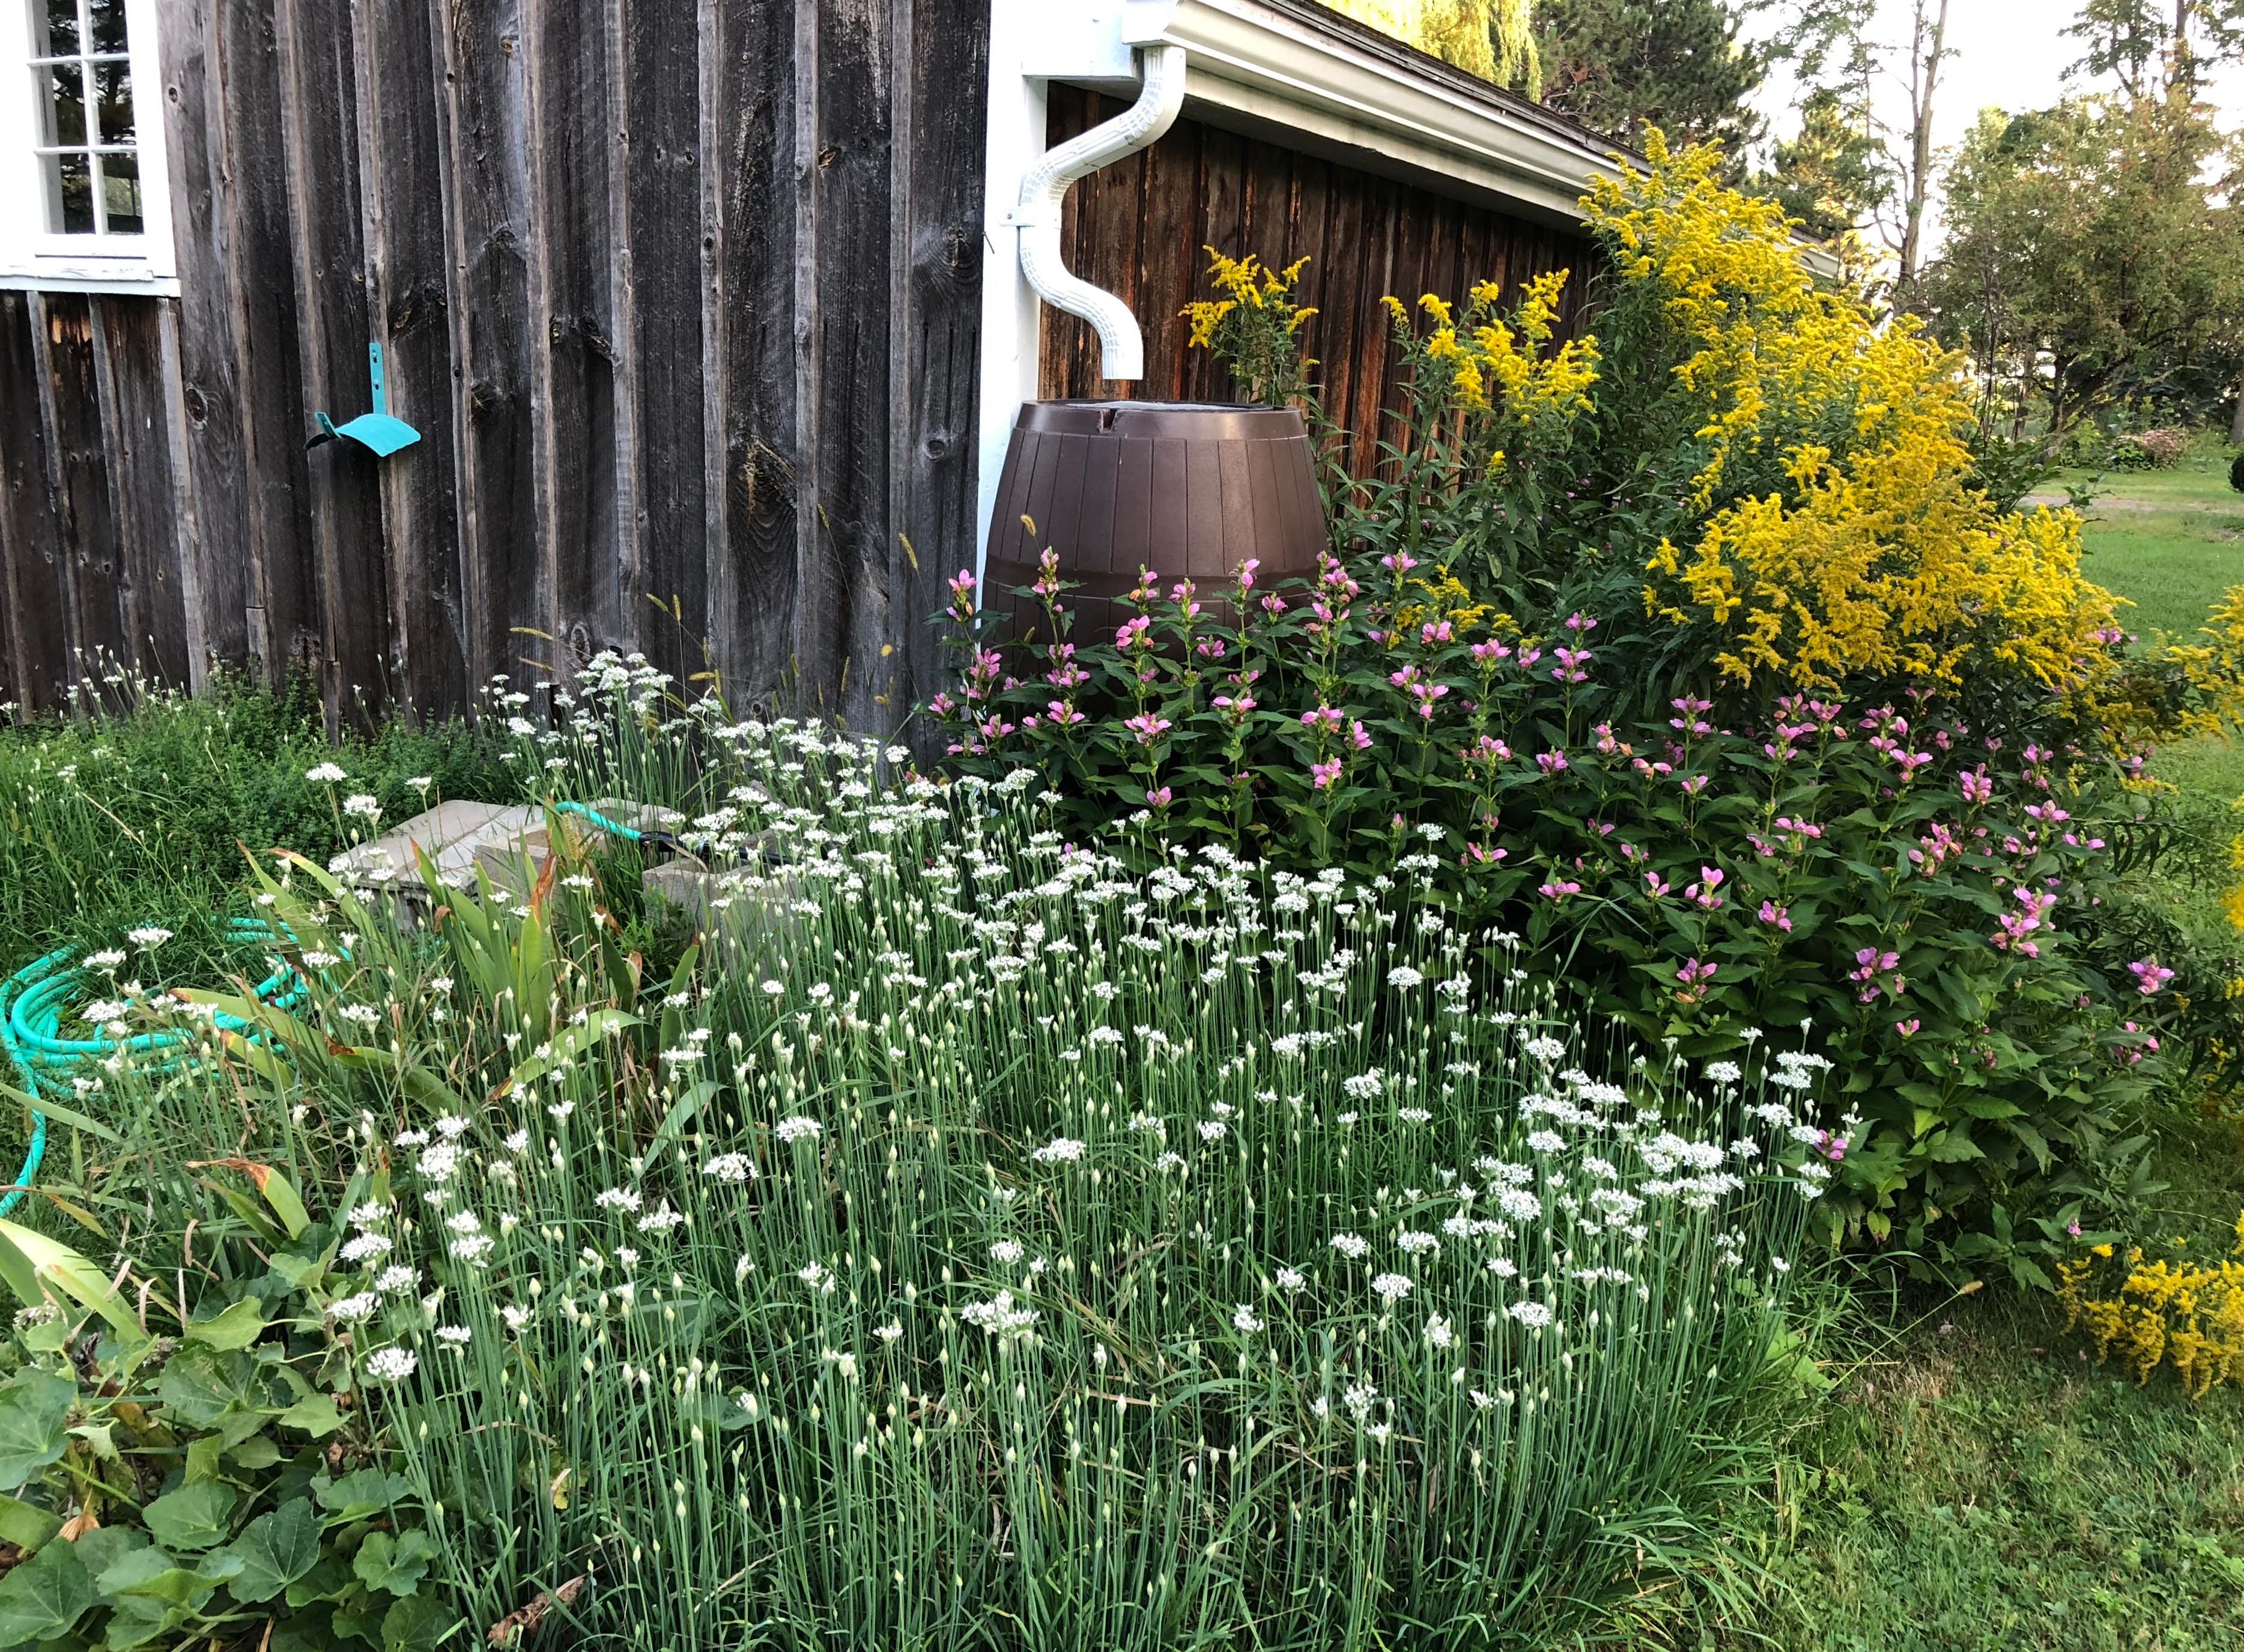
(1033, 42)
(1122, 345)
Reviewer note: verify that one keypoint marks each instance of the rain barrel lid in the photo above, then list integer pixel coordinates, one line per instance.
(1155, 421)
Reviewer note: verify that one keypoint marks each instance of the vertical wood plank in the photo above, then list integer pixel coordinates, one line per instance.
(242, 355)
(136, 434)
(942, 327)
(493, 373)
(662, 162)
(320, 119)
(752, 562)
(62, 349)
(404, 185)
(580, 435)
(1169, 257)
(30, 526)
(201, 406)
(843, 545)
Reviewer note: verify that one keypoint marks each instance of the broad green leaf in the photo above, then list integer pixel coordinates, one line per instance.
(141, 1620)
(193, 1517)
(34, 1424)
(201, 1385)
(316, 1415)
(326, 1582)
(414, 1623)
(257, 1451)
(203, 1454)
(394, 1564)
(238, 1325)
(45, 1597)
(275, 1550)
(361, 1496)
(272, 1184)
(25, 1526)
(151, 1573)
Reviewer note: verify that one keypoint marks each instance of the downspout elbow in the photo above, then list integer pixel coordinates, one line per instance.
(1121, 345)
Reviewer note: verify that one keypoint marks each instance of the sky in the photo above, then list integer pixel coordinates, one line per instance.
(2009, 54)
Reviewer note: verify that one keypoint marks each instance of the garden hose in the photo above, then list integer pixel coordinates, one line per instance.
(32, 1003)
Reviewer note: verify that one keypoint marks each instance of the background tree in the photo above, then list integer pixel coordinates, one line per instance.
(2151, 46)
(2088, 257)
(1494, 39)
(1681, 66)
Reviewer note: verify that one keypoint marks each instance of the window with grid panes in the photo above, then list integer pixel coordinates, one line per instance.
(82, 202)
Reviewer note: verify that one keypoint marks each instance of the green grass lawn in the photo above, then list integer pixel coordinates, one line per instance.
(1976, 1481)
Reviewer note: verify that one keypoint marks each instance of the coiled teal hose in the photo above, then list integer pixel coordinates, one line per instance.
(33, 1005)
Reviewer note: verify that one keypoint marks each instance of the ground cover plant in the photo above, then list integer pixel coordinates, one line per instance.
(1691, 651)
(1136, 1259)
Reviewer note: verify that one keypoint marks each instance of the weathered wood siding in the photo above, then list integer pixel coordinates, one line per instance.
(681, 294)
(683, 298)
(1141, 228)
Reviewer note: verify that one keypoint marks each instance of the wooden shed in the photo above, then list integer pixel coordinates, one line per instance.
(709, 314)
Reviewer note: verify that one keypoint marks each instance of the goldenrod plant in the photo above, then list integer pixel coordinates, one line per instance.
(2149, 1311)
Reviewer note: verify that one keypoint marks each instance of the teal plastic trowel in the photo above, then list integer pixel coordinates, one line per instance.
(376, 432)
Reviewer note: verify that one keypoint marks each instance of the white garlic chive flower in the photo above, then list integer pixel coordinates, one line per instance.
(326, 774)
(318, 960)
(1403, 977)
(1060, 1149)
(1723, 1073)
(451, 1127)
(363, 806)
(148, 937)
(1546, 1142)
(516, 1141)
(1358, 1399)
(454, 1336)
(1170, 1161)
(350, 1310)
(366, 1247)
(1546, 1050)
(392, 1364)
(438, 1162)
(797, 1128)
(889, 1331)
(818, 1277)
(397, 1278)
(1533, 1315)
(1292, 1280)
(1439, 1332)
(774, 988)
(1242, 1318)
(411, 1138)
(617, 1198)
(1351, 1246)
(109, 958)
(1000, 1317)
(561, 1110)
(1214, 1129)
(515, 1315)
(1391, 1286)
(1413, 1243)
(662, 1220)
(1006, 1252)
(1780, 1265)
(730, 1166)
(1413, 1115)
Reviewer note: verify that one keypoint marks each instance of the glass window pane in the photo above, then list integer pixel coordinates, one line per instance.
(69, 181)
(113, 93)
(54, 28)
(62, 104)
(108, 19)
(120, 194)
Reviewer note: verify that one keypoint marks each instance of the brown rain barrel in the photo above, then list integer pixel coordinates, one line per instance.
(1182, 488)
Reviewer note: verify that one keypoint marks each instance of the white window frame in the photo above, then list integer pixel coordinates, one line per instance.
(33, 257)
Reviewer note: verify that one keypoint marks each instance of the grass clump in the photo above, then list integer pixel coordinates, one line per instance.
(136, 809)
